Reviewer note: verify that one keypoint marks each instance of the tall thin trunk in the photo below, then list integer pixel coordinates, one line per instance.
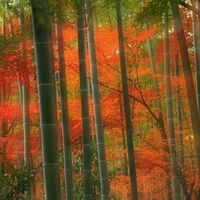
(97, 107)
(3, 84)
(3, 123)
(3, 89)
(27, 146)
(21, 24)
(159, 109)
(65, 115)
(10, 25)
(179, 119)
(170, 120)
(124, 159)
(125, 162)
(129, 128)
(188, 79)
(155, 83)
(20, 90)
(84, 102)
(179, 115)
(26, 113)
(47, 100)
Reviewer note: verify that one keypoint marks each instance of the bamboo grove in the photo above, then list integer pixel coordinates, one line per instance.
(100, 99)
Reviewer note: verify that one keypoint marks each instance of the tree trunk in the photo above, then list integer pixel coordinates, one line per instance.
(125, 162)
(3, 123)
(179, 119)
(47, 100)
(188, 79)
(159, 109)
(27, 145)
(26, 114)
(179, 115)
(84, 103)
(97, 107)
(129, 128)
(65, 115)
(170, 120)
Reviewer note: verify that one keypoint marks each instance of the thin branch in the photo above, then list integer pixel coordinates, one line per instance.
(151, 145)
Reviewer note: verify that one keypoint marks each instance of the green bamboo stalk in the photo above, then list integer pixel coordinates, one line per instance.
(125, 162)
(84, 102)
(27, 146)
(3, 123)
(129, 128)
(10, 25)
(179, 115)
(155, 83)
(179, 118)
(97, 107)
(20, 90)
(26, 114)
(21, 13)
(188, 79)
(21, 20)
(47, 100)
(159, 109)
(170, 120)
(65, 115)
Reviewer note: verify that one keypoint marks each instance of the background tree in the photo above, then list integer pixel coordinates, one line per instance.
(26, 114)
(97, 105)
(129, 129)
(65, 114)
(188, 78)
(84, 101)
(170, 120)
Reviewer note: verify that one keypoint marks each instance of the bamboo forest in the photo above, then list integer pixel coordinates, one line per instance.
(100, 100)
